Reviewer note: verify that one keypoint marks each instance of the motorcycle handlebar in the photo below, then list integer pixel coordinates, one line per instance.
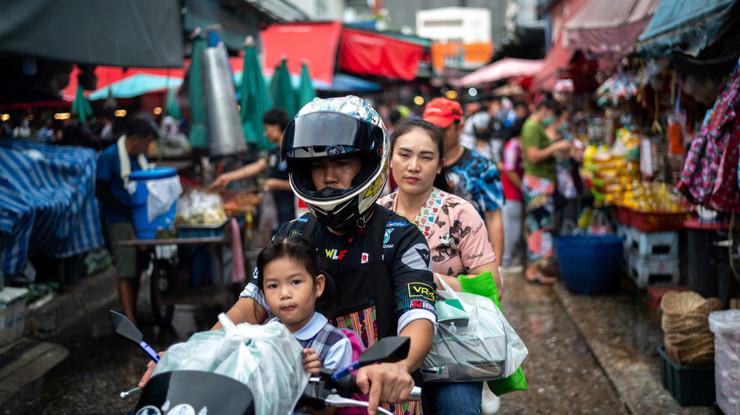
(347, 386)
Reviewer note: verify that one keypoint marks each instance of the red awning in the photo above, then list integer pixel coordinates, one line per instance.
(608, 26)
(314, 43)
(557, 59)
(109, 74)
(368, 53)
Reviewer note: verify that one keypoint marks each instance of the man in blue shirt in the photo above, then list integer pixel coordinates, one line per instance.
(114, 191)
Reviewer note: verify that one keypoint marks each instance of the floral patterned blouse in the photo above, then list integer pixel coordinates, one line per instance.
(455, 232)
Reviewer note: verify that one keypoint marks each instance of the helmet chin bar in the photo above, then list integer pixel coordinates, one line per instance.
(346, 220)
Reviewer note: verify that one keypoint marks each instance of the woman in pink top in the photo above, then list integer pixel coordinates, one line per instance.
(454, 230)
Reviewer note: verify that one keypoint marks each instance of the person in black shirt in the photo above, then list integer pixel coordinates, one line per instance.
(275, 121)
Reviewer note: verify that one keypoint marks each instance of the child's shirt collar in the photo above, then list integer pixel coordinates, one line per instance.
(311, 329)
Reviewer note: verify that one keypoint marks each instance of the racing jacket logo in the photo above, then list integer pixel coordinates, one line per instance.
(420, 289)
(335, 254)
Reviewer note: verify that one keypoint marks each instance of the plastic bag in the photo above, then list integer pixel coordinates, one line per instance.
(266, 358)
(474, 342)
(484, 285)
(162, 194)
(200, 208)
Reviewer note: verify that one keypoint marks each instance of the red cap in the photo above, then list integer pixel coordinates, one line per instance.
(442, 112)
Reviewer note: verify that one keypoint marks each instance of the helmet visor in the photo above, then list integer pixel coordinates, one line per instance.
(329, 134)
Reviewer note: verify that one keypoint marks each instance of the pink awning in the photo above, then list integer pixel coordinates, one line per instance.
(503, 69)
(609, 26)
(558, 58)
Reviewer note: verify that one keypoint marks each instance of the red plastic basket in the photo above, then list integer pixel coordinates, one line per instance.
(657, 222)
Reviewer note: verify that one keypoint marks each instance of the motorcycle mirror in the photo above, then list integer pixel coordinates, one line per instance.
(386, 350)
(124, 327)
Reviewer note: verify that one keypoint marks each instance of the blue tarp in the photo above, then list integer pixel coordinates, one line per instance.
(47, 202)
(685, 26)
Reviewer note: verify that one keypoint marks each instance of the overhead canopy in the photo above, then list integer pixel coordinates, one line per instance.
(291, 41)
(558, 58)
(503, 69)
(686, 26)
(106, 32)
(372, 53)
(608, 26)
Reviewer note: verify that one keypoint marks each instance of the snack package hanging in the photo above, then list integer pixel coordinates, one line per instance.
(266, 358)
(474, 342)
(484, 285)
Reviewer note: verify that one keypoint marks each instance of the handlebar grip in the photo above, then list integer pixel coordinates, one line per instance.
(347, 385)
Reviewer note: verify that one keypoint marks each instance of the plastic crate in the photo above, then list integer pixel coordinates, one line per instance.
(690, 386)
(647, 270)
(662, 244)
(13, 313)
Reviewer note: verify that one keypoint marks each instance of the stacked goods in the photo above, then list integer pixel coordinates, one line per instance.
(652, 197)
(612, 171)
(685, 324)
(200, 208)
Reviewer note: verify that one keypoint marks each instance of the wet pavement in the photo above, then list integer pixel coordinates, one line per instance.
(563, 375)
(587, 355)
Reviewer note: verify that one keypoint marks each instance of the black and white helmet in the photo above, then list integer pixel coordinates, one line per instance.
(336, 128)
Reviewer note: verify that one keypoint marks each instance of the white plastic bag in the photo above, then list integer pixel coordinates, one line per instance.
(162, 194)
(266, 358)
(473, 344)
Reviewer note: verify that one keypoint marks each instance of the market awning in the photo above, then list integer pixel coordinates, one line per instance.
(291, 41)
(608, 26)
(686, 26)
(105, 32)
(133, 82)
(503, 69)
(558, 58)
(372, 53)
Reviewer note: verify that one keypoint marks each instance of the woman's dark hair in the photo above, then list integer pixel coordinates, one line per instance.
(437, 136)
(302, 252)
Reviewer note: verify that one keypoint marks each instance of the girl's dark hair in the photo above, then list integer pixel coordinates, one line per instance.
(437, 136)
(304, 253)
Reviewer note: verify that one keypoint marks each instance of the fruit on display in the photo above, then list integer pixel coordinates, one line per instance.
(653, 197)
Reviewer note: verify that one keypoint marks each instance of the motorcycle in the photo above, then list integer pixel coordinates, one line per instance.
(191, 392)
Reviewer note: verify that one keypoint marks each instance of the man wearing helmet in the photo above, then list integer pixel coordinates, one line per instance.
(337, 155)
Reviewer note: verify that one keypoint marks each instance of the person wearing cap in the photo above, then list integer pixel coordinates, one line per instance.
(469, 174)
(114, 191)
(337, 151)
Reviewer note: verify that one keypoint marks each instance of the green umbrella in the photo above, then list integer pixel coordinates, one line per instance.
(255, 100)
(305, 91)
(173, 107)
(198, 130)
(281, 89)
(80, 106)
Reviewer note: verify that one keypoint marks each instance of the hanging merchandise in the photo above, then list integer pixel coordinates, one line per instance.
(711, 166)
(618, 88)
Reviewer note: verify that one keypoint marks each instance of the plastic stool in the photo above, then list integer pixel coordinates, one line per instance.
(664, 244)
(646, 270)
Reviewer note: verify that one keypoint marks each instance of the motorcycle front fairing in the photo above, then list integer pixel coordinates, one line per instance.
(191, 392)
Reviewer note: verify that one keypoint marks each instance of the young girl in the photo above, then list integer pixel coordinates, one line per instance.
(292, 283)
